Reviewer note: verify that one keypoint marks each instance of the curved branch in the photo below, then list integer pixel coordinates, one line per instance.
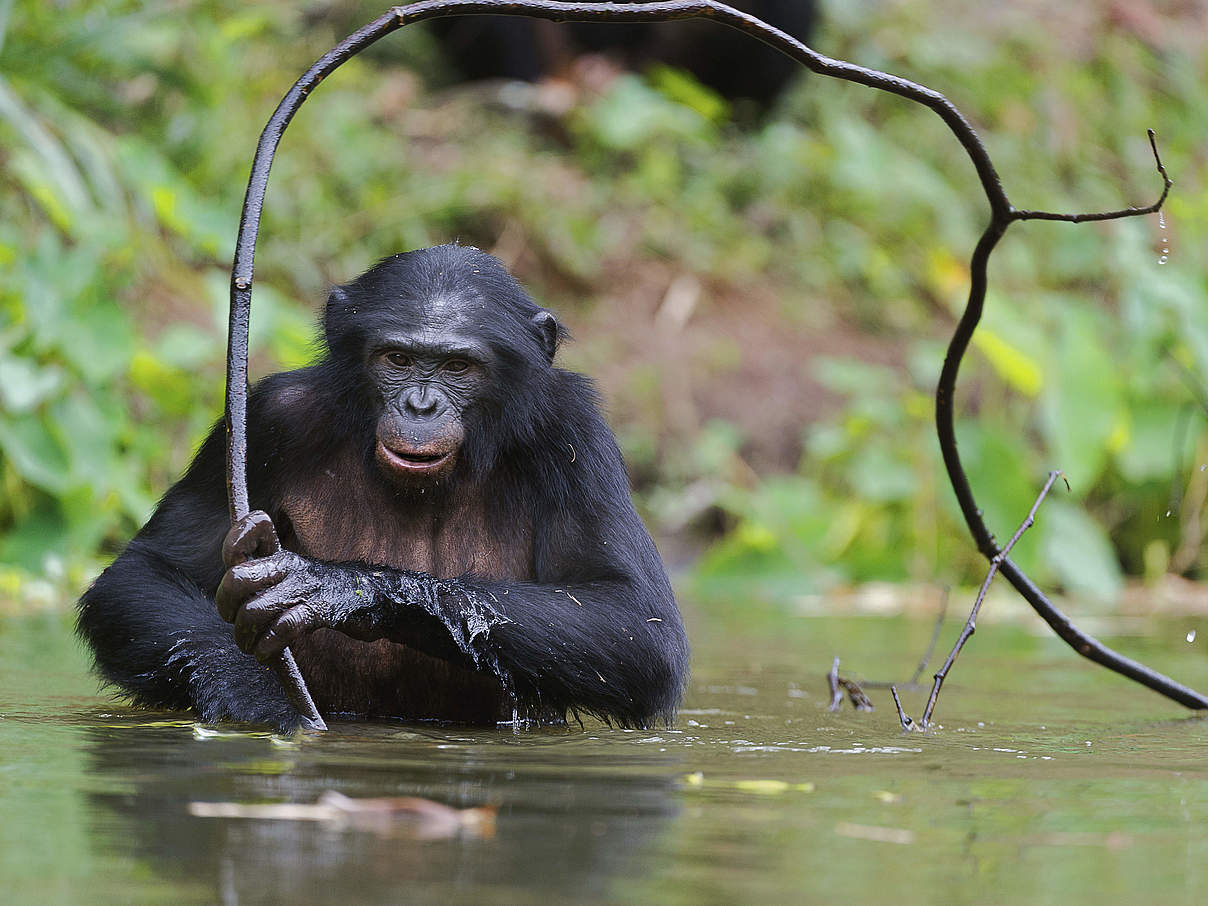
(1002, 214)
(1167, 182)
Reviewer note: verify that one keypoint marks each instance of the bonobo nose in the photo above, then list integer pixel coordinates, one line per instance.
(421, 402)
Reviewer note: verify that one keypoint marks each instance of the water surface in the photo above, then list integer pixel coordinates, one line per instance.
(1050, 781)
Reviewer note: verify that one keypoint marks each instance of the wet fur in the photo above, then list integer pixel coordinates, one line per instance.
(537, 505)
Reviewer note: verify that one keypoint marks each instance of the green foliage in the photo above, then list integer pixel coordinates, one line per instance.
(126, 132)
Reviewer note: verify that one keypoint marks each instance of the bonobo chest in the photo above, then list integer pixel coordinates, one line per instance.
(338, 520)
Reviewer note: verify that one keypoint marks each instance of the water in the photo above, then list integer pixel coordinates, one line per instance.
(1050, 781)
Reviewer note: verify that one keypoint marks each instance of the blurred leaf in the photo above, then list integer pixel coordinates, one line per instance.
(632, 115)
(1078, 550)
(98, 341)
(28, 544)
(1013, 365)
(1149, 451)
(878, 475)
(682, 88)
(854, 378)
(175, 203)
(35, 453)
(86, 437)
(1082, 402)
(1002, 481)
(23, 384)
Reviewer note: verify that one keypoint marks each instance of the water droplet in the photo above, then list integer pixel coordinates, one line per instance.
(1191, 636)
(1168, 513)
(1161, 220)
(1163, 259)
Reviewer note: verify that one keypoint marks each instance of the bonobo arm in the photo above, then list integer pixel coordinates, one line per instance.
(150, 618)
(612, 646)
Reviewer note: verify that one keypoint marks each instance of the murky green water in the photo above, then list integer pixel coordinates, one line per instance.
(1051, 781)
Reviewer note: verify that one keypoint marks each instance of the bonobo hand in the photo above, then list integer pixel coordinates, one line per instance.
(271, 595)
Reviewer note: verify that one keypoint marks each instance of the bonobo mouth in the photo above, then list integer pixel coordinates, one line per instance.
(413, 460)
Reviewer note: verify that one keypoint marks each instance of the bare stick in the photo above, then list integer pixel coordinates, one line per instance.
(832, 678)
(1167, 182)
(855, 695)
(1002, 215)
(907, 723)
(971, 624)
(839, 685)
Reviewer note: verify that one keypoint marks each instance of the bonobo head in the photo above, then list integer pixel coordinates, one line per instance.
(450, 354)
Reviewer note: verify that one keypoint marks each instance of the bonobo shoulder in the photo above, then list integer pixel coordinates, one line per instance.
(288, 407)
(576, 461)
(286, 395)
(576, 403)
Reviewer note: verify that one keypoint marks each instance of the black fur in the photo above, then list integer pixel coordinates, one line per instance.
(522, 582)
(735, 65)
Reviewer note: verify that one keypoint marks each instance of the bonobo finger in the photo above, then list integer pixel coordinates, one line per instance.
(250, 537)
(244, 580)
(260, 612)
(286, 631)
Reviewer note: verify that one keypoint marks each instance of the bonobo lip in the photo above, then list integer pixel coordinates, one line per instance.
(412, 462)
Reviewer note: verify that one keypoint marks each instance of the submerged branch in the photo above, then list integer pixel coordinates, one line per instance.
(971, 624)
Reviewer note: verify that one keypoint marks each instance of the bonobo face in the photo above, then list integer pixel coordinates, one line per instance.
(426, 380)
(451, 355)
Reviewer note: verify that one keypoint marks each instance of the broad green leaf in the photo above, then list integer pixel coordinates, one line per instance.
(879, 474)
(35, 453)
(1078, 550)
(1149, 452)
(1082, 405)
(1004, 483)
(28, 543)
(1018, 369)
(24, 384)
(98, 340)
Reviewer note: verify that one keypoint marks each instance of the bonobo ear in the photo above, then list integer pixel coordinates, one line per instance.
(334, 314)
(547, 330)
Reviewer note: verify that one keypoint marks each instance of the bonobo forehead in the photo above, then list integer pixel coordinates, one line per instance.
(432, 341)
(430, 296)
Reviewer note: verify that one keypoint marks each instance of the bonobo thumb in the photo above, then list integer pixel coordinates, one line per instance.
(250, 538)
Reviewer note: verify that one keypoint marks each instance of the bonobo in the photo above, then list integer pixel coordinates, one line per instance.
(444, 531)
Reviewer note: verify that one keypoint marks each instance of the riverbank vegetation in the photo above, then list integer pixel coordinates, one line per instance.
(764, 301)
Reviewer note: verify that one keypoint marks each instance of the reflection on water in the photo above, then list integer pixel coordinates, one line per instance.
(1049, 780)
(590, 831)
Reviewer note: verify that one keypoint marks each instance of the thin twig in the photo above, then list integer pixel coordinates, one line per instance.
(832, 679)
(907, 723)
(839, 684)
(1167, 182)
(971, 624)
(855, 695)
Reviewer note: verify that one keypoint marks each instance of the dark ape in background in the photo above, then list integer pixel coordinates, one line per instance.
(456, 537)
(731, 63)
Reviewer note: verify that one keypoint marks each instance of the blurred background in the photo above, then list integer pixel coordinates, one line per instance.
(762, 286)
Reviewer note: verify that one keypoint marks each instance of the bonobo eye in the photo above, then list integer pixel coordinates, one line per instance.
(457, 366)
(398, 359)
